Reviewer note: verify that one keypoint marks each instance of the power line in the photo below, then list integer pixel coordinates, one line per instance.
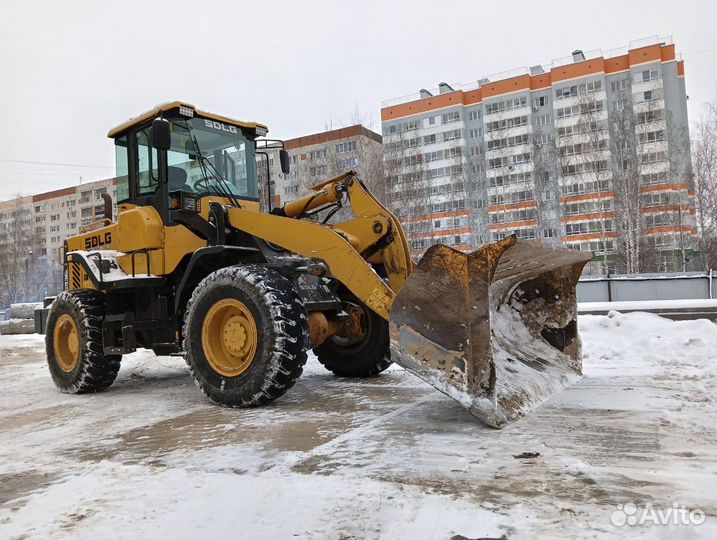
(64, 173)
(55, 164)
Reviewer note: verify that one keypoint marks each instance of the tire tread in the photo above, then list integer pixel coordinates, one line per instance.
(287, 351)
(97, 371)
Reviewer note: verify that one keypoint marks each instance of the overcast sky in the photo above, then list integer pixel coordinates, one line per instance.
(71, 70)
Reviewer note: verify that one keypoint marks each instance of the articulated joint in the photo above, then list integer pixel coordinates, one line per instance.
(320, 328)
(318, 269)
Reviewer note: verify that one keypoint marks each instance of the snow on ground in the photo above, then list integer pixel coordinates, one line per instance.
(634, 305)
(381, 458)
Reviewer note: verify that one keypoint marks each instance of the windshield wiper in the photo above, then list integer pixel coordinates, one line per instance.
(222, 185)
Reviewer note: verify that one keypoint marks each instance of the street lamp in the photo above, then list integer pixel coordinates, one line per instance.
(27, 273)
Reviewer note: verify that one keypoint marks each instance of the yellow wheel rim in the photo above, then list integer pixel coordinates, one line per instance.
(67, 343)
(229, 337)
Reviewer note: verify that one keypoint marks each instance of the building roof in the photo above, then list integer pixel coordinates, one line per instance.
(332, 135)
(532, 79)
(64, 192)
(17, 202)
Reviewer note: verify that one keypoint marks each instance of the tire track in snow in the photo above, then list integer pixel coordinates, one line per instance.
(288, 462)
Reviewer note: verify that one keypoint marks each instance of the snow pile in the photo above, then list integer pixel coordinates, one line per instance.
(649, 343)
(635, 305)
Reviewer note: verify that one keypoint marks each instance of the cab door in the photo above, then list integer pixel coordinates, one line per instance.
(149, 177)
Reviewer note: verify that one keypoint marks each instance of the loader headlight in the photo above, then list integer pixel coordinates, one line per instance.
(186, 111)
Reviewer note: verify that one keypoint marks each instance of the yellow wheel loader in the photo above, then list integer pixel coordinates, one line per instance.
(192, 266)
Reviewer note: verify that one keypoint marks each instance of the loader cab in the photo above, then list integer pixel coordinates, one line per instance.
(175, 148)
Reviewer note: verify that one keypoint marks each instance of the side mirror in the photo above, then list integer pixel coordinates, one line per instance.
(161, 134)
(285, 162)
(107, 199)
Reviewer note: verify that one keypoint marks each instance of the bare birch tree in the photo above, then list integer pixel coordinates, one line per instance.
(626, 184)
(544, 152)
(704, 162)
(411, 198)
(473, 177)
(680, 167)
(16, 256)
(582, 156)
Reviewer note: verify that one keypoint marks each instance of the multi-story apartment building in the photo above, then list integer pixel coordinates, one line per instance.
(320, 156)
(591, 150)
(33, 228)
(60, 213)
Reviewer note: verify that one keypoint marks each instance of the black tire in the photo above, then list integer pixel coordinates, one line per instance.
(283, 335)
(365, 358)
(94, 371)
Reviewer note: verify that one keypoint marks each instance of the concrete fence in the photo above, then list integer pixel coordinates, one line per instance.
(675, 286)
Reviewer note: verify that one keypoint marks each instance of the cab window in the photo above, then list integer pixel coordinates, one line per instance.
(147, 164)
(122, 169)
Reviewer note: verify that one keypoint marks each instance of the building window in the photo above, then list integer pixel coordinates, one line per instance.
(619, 105)
(451, 117)
(652, 136)
(542, 138)
(347, 146)
(348, 163)
(582, 108)
(520, 158)
(429, 139)
(542, 120)
(507, 124)
(578, 89)
(619, 85)
(541, 101)
(650, 116)
(473, 134)
(474, 115)
(647, 96)
(646, 75)
(506, 105)
(509, 142)
(653, 157)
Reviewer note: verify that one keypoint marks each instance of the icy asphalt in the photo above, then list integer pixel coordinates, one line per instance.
(386, 458)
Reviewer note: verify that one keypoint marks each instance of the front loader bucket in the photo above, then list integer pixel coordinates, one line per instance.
(495, 329)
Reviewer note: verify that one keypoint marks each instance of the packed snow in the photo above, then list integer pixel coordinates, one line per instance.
(387, 458)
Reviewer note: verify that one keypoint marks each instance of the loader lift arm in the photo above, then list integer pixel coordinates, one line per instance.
(374, 231)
